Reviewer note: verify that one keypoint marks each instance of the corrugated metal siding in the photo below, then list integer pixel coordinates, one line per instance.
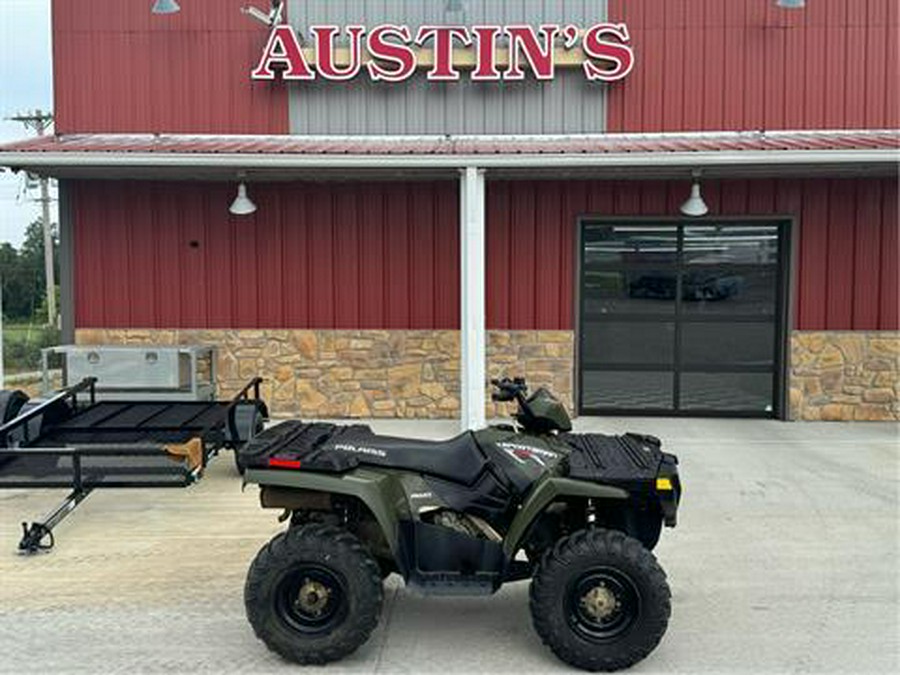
(845, 276)
(119, 68)
(701, 64)
(385, 255)
(569, 104)
(748, 64)
(354, 256)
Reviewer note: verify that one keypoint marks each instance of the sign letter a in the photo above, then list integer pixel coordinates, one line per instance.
(283, 48)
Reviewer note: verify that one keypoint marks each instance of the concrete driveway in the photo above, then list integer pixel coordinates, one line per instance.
(785, 560)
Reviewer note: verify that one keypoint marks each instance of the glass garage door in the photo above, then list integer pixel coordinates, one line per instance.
(681, 318)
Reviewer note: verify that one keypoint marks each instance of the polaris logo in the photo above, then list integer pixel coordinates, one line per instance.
(360, 450)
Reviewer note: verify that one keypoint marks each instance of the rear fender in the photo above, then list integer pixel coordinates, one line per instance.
(381, 493)
(543, 494)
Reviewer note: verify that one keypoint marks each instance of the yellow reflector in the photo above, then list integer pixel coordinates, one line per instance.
(663, 484)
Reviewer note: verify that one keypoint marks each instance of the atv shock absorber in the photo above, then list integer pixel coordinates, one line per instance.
(590, 512)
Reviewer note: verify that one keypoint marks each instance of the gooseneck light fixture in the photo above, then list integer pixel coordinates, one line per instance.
(695, 207)
(242, 204)
(271, 18)
(791, 4)
(165, 7)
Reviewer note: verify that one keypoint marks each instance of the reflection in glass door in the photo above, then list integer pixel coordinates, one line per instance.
(681, 318)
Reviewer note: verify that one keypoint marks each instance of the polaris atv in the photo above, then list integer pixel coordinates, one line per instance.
(576, 513)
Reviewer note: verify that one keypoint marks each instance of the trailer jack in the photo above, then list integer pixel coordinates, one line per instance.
(38, 537)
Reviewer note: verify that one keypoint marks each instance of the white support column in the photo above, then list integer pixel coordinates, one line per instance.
(473, 341)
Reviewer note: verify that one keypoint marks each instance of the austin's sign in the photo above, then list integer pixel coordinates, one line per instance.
(392, 53)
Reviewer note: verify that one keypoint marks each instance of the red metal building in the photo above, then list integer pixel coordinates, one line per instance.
(560, 199)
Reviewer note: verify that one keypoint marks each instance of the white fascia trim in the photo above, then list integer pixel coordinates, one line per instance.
(37, 160)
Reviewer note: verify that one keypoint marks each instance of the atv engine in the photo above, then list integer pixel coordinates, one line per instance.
(471, 526)
(458, 522)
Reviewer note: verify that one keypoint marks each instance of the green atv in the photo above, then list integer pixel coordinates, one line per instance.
(576, 513)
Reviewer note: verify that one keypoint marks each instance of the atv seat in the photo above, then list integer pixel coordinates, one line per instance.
(458, 459)
(336, 449)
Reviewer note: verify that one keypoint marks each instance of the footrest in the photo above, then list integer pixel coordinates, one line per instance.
(441, 583)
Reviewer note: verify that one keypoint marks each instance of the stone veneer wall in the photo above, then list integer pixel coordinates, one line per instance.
(834, 375)
(845, 375)
(543, 358)
(367, 373)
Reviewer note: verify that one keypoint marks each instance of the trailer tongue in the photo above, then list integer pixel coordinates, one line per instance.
(66, 442)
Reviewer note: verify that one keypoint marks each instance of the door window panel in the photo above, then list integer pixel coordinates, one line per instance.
(729, 291)
(718, 343)
(627, 244)
(624, 342)
(629, 292)
(730, 245)
(735, 392)
(628, 390)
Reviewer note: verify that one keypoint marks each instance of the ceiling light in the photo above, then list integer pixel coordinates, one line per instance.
(695, 206)
(165, 7)
(242, 204)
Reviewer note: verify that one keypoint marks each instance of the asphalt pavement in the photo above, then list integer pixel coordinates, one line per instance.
(785, 560)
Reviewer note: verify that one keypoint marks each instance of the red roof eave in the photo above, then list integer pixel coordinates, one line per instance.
(882, 146)
(888, 139)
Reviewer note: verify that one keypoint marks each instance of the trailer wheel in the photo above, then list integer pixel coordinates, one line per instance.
(600, 600)
(11, 402)
(313, 594)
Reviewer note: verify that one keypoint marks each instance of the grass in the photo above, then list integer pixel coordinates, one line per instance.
(20, 332)
(22, 344)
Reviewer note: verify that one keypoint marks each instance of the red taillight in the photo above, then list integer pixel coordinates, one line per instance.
(284, 463)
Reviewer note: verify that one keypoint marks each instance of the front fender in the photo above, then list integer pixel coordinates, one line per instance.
(380, 492)
(543, 494)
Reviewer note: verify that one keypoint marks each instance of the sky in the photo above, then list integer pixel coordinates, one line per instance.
(26, 83)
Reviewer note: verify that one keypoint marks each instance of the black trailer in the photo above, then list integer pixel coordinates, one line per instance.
(75, 442)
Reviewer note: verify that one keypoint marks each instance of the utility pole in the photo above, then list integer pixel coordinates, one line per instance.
(39, 122)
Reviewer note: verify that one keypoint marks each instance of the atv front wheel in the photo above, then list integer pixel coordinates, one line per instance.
(313, 594)
(600, 600)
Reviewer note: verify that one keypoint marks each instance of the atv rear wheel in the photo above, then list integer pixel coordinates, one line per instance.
(313, 594)
(600, 600)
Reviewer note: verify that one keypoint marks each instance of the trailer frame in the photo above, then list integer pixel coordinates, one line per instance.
(50, 454)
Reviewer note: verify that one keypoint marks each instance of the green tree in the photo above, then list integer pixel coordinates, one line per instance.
(22, 274)
(32, 258)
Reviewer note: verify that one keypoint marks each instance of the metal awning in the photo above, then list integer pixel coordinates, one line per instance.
(274, 157)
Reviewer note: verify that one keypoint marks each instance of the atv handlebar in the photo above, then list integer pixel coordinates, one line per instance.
(509, 390)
